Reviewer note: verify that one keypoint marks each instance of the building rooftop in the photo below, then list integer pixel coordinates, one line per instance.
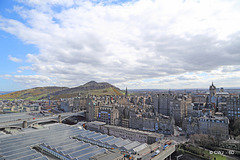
(219, 93)
(214, 118)
(97, 123)
(56, 139)
(14, 117)
(136, 131)
(110, 155)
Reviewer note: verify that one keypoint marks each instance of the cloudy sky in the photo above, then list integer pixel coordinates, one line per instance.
(139, 44)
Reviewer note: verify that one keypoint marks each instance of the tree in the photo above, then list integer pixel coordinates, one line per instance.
(236, 126)
(203, 140)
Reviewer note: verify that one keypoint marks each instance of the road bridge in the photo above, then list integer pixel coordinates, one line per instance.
(165, 154)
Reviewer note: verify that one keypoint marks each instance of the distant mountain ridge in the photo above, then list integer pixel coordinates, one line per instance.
(5, 92)
(39, 93)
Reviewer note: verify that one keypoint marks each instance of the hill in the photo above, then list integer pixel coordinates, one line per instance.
(39, 93)
(91, 87)
(32, 94)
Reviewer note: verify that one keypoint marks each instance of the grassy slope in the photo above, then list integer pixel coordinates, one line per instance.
(32, 94)
(97, 92)
(42, 93)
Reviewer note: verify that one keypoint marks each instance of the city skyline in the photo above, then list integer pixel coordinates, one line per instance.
(140, 44)
(137, 89)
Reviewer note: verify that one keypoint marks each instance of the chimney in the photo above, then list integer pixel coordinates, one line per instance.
(59, 119)
(24, 125)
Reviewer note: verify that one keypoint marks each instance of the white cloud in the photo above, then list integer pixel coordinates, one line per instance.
(6, 76)
(33, 80)
(14, 59)
(129, 42)
(19, 71)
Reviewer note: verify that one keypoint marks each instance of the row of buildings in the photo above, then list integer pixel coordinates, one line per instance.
(125, 133)
(139, 117)
(195, 112)
(177, 106)
(216, 125)
(7, 106)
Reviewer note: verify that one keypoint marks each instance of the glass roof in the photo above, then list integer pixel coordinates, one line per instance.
(30, 157)
(83, 151)
(57, 138)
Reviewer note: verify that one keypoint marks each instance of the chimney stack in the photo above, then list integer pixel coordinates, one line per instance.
(24, 125)
(59, 119)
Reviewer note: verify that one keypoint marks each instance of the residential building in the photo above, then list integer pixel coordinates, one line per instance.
(132, 134)
(108, 114)
(232, 108)
(90, 110)
(79, 103)
(161, 103)
(216, 126)
(180, 106)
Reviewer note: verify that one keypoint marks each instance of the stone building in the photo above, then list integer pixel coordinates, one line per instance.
(132, 134)
(216, 126)
(180, 106)
(79, 103)
(125, 123)
(66, 105)
(231, 108)
(214, 98)
(160, 124)
(190, 125)
(161, 103)
(90, 109)
(95, 126)
(199, 98)
(108, 114)
(136, 122)
(114, 117)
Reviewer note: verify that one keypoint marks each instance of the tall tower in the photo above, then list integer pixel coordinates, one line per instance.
(126, 93)
(212, 90)
(49, 101)
(90, 109)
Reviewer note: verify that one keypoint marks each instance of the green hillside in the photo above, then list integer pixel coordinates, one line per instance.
(97, 92)
(92, 87)
(32, 94)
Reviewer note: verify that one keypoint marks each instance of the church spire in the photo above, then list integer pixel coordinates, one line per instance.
(126, 93)
(212, 90)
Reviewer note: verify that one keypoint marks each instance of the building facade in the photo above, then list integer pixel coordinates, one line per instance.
(161, 103)
(132, 134)
(90, 110)
(232, 108)
(216, 126)
(181, 106)
(108, 114)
